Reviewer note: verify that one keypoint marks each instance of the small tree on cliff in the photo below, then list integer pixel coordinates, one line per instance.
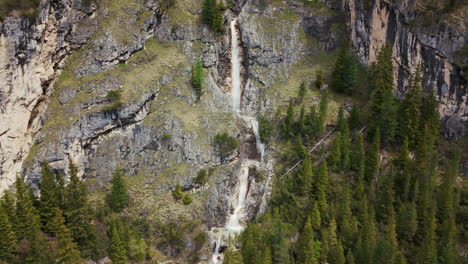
(119, 194)
(198, 77)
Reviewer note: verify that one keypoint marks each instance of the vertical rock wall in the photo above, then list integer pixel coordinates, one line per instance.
(32, 52)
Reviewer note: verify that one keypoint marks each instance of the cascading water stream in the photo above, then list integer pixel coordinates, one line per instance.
(235, 68)
(234, 224)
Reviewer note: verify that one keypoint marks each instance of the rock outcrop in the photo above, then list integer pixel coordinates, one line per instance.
(32, 53)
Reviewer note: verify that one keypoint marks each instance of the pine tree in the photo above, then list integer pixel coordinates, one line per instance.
(315, 218)
(407, 223)
(302, 92)
(358, 158)
(198, 77)
(323, 111)
(321, 185)
(335, 153)
(78, 212)
(383, 103)
(178, 192)
(343, 78)
(306, 245)
(67, 250)
(7, 235)
(373, 158)
(428, 250)
(409, 113)
(344, 147)
(119, 194)
(307, 177)
(346, 221)
(118, 252)
(212, 15)
(27, 217)
(354, 120)
(430, 115)
(8, 205)
(350, 257)
(318, 79)
(300, 127)
(288, 123)
(50, 196)
(335, 253)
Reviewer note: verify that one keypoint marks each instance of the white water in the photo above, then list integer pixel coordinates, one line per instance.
(235, 68)
(260, 145)
(234, 225)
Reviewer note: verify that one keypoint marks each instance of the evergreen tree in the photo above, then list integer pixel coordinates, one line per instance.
(383, 103)
(212, 15)
(373, 158)
(78, 212)
(307, 246)
(8, 206)
(119, 198)
(302, 92)
(335, 253)
(354, 120)
(50, 196)
(343, 77)
(407, 223)
(344, 147)
(318, 79)
(178, 194)
(288, 123)
(335, 152)
(307, 177)
(347, 223)
(198, 77)
(118, 252)
(358, 158)
(315, 218)
(321, 185)
(300, 127)
(67, 250)
(7, 235)
(27, 217)
(428, 250)
(409, 113)
(322, 114)
(430, 115)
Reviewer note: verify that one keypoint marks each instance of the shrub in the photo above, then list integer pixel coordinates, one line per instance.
(201, 178)
(225, 143)
(177, 192)
(187, 199)
(198, 77)
(114, 97)
(166, 136)
(264, 128)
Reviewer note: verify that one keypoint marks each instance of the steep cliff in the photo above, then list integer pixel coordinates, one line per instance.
(32, 54)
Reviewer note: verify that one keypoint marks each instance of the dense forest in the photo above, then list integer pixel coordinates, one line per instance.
(384, 190)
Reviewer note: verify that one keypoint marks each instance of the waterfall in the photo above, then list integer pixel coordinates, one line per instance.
(235, 68)
(234, 224)
(260, 145)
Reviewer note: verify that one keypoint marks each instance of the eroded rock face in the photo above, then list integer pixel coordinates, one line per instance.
(31, 55)
(433, 47)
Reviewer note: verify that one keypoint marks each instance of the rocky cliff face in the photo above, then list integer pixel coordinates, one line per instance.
(374, 24)
(32, 53)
